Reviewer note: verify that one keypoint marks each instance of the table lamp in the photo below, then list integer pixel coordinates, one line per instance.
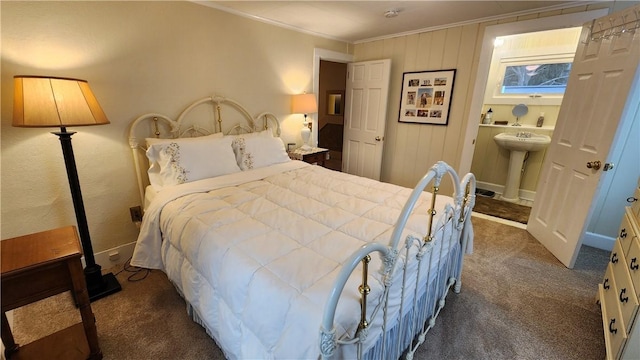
(304, 104)
(60, 102)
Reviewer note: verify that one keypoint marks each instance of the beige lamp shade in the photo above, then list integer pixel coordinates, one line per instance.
(50, 101)
(304, 104)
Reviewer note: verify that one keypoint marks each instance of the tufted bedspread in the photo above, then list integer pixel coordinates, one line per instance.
(256, 253)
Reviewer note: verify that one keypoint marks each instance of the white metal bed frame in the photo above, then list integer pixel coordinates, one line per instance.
(402, 336)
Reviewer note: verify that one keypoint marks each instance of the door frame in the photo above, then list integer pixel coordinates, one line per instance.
(327, 55)
(482, 73)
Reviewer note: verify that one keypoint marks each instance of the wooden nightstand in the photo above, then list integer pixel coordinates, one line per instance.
(35, 267)
(313, 156)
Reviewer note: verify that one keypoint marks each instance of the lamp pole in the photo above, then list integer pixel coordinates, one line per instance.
(98, 285)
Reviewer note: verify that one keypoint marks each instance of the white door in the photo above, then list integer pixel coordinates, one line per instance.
(367, 91)
(596, 94)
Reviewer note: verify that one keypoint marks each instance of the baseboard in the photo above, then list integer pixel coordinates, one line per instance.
(114, 256)
(527, 195)
(489, 186)
(598, 241)
(499, 189)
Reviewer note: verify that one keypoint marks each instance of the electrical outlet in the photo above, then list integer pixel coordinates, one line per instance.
(136, 214)
(114, 256)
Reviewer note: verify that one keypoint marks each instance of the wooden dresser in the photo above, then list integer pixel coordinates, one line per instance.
(619, 292)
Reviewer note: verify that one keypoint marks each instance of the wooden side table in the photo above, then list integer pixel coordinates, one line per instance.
(313, 156)
(35, 267)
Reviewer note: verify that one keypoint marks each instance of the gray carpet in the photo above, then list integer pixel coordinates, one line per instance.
(517, 302)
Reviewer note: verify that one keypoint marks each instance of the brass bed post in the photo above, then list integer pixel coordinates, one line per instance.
(364, 291)
(219, 116)
(432, 212)
(155, 127)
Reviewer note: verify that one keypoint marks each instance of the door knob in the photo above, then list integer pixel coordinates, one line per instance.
(595, 165)
(378, 138)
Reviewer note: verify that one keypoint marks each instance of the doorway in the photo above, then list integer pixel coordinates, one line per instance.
(472, 135)
(334, 59)
(331, 101)
(528, 73)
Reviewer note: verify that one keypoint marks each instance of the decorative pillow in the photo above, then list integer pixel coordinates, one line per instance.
(258, 151)
(152, 155)
(178, 161)
(235, 144)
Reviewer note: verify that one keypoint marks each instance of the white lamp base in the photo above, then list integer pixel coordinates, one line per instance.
(305, 132)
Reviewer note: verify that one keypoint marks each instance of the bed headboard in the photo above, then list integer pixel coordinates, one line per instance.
(201, 117)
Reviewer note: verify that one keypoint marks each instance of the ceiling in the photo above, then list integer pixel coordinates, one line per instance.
(360, 21)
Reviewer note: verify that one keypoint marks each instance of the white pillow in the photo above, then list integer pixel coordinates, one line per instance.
(235, 144)
(152, 155)
(178, 161)
(258, 151)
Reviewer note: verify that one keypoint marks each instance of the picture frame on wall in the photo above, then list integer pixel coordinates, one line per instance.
(426, 97)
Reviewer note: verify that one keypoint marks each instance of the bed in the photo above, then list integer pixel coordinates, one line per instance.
(280, 259)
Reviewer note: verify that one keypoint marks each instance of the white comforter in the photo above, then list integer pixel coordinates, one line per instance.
(256, 253)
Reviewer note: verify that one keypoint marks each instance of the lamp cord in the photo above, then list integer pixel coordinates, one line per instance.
(136, 271)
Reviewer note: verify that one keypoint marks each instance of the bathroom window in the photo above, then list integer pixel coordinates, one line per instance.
(531, 68)
(545, 78)
(530, 80)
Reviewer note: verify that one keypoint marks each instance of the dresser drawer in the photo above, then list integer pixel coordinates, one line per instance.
(625, 294)
(635, 206)
(633, 263)
(614, 332)
(314, 158)
(627, 230)
(617, 257)
(619, 292)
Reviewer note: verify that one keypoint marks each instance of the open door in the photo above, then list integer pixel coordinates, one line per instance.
(367, 91)
(604, 69)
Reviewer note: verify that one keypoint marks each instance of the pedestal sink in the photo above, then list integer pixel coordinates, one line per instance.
(518, 144)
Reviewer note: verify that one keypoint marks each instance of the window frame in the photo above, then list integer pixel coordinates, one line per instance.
(493, 93)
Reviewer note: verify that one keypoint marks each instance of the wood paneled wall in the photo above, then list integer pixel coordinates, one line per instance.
(410, 149)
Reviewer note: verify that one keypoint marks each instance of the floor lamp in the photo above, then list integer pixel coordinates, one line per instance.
(60, 102)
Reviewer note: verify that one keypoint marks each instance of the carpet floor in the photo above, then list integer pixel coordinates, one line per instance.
(502, 209)
(517, 302)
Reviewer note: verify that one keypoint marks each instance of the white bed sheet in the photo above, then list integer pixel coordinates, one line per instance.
(255, 253)
(149, 194)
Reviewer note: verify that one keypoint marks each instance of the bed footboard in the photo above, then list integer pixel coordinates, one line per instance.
(422, 293)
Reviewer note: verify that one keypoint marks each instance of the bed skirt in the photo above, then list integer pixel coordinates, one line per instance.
(426, 310)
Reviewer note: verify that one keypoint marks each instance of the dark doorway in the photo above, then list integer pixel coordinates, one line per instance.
(331, 101)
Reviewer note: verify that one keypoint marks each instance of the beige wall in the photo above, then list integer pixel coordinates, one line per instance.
(410, 149)
(138, 57)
